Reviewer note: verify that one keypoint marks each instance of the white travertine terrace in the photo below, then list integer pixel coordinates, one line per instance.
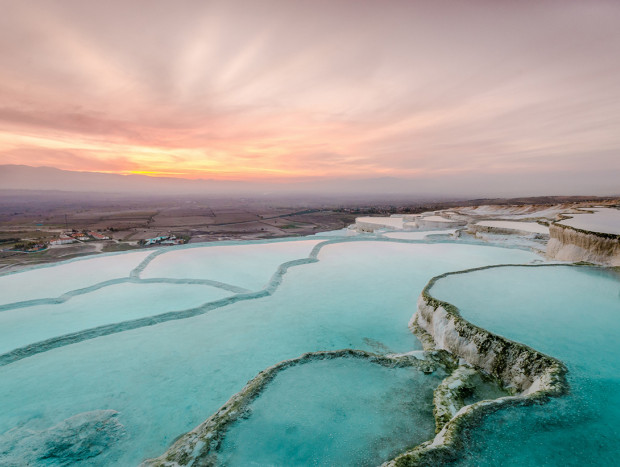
(198, 446)
(418, 235)
(407, 222)
(370, 224)
(516, 212)
(601, 220)
(35, 283)
(533, 376)
(526, 227)
(569, 244)
(438, 222)
(592, 236)
(435, 219)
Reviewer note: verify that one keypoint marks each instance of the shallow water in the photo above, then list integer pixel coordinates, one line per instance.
(244, 265)
(605, 220)
(571, 313)
(53, 281)
(532, 227)
(165, 379)
(334, 412)
(418, 235)
(119, 302)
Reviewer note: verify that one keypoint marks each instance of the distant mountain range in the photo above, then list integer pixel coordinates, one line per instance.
(24, 177)
(455, 186)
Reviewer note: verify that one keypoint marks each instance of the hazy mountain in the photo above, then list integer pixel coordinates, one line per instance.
(461, 186)
(48, 178)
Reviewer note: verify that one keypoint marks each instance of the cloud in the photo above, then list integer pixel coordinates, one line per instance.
(65, 159)
(317, 88)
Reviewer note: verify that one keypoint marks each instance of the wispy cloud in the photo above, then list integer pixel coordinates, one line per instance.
(247, 89)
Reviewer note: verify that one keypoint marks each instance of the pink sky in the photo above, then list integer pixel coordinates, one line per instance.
(296, 89)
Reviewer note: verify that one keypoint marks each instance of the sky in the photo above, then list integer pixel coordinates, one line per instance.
(295, 90)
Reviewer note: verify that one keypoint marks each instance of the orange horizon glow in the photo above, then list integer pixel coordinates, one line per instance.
(286, 91)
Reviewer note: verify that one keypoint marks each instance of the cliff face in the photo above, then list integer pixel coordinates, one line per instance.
(532, 376)
(435, 224)
(570, 244)
(475, 228)
(516, 365)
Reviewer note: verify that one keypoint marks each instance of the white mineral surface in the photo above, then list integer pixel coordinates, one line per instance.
(603, 220)
(380, 222)
(532, 227)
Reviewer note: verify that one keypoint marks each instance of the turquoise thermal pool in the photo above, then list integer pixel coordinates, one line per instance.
(143, 351)
(20, 327)
(372, 413)
(571, 313)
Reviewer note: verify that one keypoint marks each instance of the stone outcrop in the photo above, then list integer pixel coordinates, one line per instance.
(571, 244)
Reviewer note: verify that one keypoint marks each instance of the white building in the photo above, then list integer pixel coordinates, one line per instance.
(62, 241)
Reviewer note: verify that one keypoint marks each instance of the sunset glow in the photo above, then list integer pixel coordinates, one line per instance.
(285, 90)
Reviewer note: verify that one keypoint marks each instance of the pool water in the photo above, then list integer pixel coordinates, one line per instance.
(334, 412)
(571, 313)
(157, 381)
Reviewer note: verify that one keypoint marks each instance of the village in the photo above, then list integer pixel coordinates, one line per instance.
(74, 236)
